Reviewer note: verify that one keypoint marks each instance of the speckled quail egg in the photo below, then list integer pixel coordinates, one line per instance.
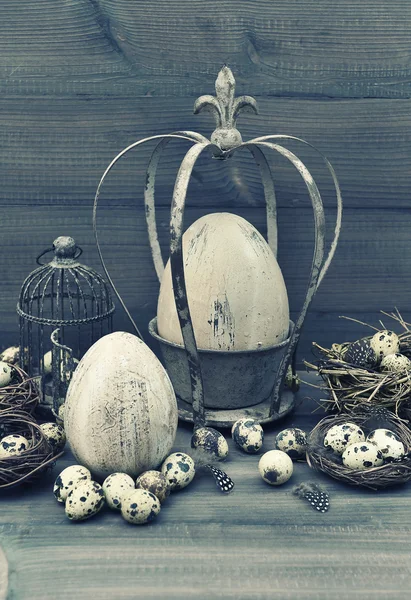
(6, 374)
(115, 487)
(387, 443)
(395, 363)
(154, 482)
(275, 467)
(384, 343)
(211, 441)
(84, 500)
(338, 437)
(361, 354)
(179, 470)
(55, 436)
(10, 355)
(248, 435)
(361, 456)
(48, 365)
(67, 478)
(292, 441)
(13, 445)
(139, 507)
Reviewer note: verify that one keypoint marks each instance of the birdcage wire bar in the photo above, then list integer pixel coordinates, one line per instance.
(65, 295)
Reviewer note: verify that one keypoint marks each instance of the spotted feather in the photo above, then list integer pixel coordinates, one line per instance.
(224, 483)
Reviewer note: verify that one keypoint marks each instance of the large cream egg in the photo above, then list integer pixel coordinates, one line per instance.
(235, 288)
(120, 410)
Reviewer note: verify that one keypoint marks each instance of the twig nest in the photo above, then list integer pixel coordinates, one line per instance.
(55, 435)
(115, 487)
(139, 507)
(361, 456)
(69, 477)
(154, 482)
(395, 363)
(84, 500)
(387, 443)
(360, 464)
(292, 441)
(211, 441)
(385, 342)
(179, 470)
(6, 374)
(342, 435)
(13, 445)
(275, 467)
(361, 354)
(248, 435)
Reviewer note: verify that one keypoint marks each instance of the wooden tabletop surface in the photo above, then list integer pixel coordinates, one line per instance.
(259, 542)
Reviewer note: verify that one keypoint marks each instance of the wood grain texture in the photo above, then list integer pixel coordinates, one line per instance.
(117, 47)
(258, 542)
(54, 151)
(370, 272)
(4, 575)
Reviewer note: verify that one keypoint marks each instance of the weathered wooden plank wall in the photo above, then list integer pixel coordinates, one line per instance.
(81, 79)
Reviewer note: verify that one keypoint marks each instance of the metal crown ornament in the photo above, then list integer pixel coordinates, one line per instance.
(225, 141)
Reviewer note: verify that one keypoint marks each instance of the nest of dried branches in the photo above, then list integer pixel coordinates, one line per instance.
(21, 394)
(368, 418)
(348, 385)
(24, 467)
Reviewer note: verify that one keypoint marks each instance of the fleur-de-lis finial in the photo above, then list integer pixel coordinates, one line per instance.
(226, 109)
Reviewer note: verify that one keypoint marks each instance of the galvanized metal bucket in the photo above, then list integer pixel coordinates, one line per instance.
(232, 380)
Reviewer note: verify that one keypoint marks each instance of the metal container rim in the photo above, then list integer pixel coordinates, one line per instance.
(152, 329)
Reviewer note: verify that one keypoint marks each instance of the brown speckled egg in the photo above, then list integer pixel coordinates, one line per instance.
(361, 456)
(115, 487)
(387, 443)
(275, 467)
(13, 445)
(140, 507)
(211, 441)
(179, 470)
(154, 482)
(248, 435)
(55, 436)
(385, 342)
(292, 441)
(67, 478)
(395, 363)
(84, 500)
(6, 374)
(338, 437)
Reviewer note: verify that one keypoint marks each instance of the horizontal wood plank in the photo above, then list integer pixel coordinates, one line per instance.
(117, 47)
(54, 152)
(259, 542)
(370, 271)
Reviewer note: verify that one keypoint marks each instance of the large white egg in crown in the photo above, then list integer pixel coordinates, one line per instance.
(235, 288)
(120, 410)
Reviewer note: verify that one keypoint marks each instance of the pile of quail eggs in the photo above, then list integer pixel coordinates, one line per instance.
(139, 501)
(275, 466)
(360, 452)
(381, 352)
(14, 445)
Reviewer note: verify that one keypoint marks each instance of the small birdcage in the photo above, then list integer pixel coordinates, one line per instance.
(64, 307)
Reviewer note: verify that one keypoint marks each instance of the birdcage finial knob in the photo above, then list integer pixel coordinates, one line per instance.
(64, 247)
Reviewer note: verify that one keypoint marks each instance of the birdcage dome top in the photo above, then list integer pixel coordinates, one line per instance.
(63, 291)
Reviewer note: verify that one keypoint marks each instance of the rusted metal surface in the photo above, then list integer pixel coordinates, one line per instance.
(224, 142)
(61, 294)
(232, 379)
